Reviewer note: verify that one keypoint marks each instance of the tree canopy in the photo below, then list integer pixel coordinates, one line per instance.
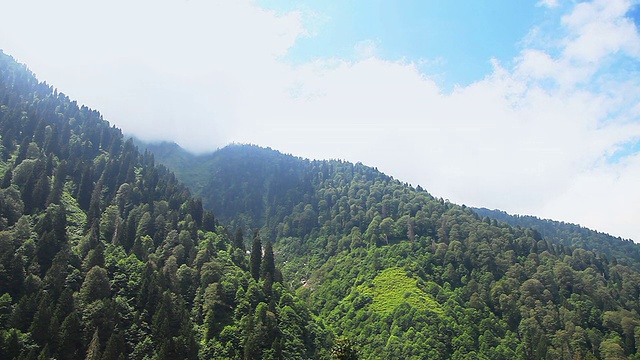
(104, 254)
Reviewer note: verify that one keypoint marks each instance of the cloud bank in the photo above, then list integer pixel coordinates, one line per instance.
(539, 136)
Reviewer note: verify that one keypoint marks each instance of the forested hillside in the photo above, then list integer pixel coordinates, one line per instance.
(624, 251)
(104, 255)
(401, 274)
(249, 186)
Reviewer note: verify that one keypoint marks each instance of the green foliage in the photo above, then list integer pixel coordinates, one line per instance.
(344, 349)
(256, 256)
(268, 265)
(392, 287)
(103, 255)
(406, 275)
(617, 249)
(95, 286)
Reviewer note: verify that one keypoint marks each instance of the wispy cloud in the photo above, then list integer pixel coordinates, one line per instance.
(548, 3)
(535, 136)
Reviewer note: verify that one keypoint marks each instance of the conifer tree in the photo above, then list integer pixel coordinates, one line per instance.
(22, 151)
(238, 239)
(115, 346)
(95, 286)
(58, 184)
(6, 180)
(94, 210)
(93, 351)
(71, 337)
(256, 256)
(85, 190)
(40, 192)
(268, 262)
(208, 221)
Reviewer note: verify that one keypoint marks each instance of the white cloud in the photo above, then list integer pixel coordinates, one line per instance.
(162, 69)
(532, 138)
(599, 29)
(548, 3)
(366, 49)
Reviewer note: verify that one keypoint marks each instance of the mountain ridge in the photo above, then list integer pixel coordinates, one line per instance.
(175, 157)
(569, 234)
(104, 255)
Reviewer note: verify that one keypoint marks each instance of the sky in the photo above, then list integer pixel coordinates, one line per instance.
(531, 107)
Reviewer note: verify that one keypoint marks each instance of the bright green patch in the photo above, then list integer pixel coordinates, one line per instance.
(76, 218)
(392, 287)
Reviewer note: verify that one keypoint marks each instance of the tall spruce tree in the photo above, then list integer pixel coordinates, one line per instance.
(268, 266)
(256, 256)
(238, 239)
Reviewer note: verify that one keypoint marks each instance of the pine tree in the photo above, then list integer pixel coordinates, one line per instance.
(58, 184)
(22, 151)
(94, 210)
(115, 346)
(95, 286)
(40, 191)
(238, 239)
(256, 256)
(208, 221)
(6, 180)
(85, 190)
(93, 351)
(268, 262)
(40, 325)
(197, 212)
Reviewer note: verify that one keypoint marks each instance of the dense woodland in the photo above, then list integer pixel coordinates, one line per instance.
(402, 274)
(625, 251)
(105, 255)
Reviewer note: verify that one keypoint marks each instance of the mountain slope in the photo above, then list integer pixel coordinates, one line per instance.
(406, 275)
(103, 255)
(624, 251)
(246, 185)
(243, 185)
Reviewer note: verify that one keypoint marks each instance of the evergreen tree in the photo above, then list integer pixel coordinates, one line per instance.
(95, 286)
(40, 191)
(238, 239)
(58, 184)
(208, 221)
(93, 350)
(71, 346)
(115, 346)
(268, 262)
(256, 256)
(22, 152)
(85, 190)
(94, 210)
(8, 175)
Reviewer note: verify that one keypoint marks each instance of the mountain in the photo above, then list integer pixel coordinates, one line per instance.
(247, 185)
(104, 255)
(617, 249)
(403, 274)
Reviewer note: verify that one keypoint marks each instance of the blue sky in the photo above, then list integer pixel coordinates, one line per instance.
(532, 107)
(452, 41)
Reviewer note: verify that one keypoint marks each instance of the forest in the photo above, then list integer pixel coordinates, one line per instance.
(106, 254)
(378, 258)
